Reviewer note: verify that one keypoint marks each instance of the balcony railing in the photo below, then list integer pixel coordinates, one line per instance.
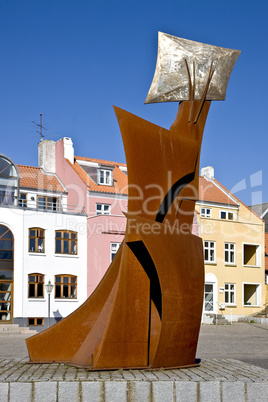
(40, 205)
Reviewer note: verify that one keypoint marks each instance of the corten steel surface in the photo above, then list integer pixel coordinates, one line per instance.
(146, 312)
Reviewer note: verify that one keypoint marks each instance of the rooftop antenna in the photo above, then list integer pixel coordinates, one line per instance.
(41, 127)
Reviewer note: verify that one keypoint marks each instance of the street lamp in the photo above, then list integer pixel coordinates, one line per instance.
(49, 287)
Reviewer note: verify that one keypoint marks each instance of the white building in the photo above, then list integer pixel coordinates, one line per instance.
(42, 239)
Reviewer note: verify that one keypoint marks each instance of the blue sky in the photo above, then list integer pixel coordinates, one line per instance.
(74, 59)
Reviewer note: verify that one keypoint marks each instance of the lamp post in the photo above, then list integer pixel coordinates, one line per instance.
(49, 287)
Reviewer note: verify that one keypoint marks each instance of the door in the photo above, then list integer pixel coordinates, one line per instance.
(209, 304)
(6, 302)
(6, 274)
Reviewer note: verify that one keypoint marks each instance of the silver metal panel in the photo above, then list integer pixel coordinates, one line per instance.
(171, 79)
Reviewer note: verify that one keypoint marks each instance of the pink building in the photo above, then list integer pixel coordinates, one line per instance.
(100, 187)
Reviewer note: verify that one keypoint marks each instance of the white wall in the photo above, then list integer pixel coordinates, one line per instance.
(19, 221)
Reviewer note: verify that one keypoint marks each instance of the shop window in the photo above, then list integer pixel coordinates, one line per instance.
(66, 242)
(36, 240)
(65, 287)
(36, 286)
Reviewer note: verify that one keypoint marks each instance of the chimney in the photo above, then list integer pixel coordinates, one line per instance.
(68, 149)
(47, 156)
(207, 172)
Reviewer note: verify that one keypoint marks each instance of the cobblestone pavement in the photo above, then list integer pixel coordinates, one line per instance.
(19, 370)
(224, 373)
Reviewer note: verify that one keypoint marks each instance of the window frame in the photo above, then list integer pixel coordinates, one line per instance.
(206, 213)
(23, 201)
(258, 294)
(112, 253)
(35, 324)
(228, 292)
(36, 284)
(102, 211)
(106, 173)
(229, 251)
(37, 237)
(209, 248)
(69, 285)
(227, 212)
(46, 207)
(65, 239)
(258, 255)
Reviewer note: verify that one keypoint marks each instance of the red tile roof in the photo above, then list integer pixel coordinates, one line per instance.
(33, 177)
(209, 191)
(119, 177)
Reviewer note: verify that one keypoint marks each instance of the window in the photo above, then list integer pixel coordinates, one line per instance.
(227, 215)
(205, 212)
(36, 285)
(208, 299)
(252, 294)
(105, 177)
(251, 255)
(6, 253)
(114, 249)
(66, 242)
(48, 203)
(229, 293)
(9, 181)
(209, 251)
(36, 240)
(229, 253)
(35, 322)
(23, 200)
(103, 209)
(65, 287)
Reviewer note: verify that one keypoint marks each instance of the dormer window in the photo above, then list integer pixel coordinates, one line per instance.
(105, 177)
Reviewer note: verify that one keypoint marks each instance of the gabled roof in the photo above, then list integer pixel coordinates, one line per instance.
(213, 191)
(260, 209)
(120, 179)
(37, 178)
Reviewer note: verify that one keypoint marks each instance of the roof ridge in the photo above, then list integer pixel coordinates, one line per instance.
(100, 160)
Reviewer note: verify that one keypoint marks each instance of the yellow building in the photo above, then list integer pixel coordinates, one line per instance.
(233, 238)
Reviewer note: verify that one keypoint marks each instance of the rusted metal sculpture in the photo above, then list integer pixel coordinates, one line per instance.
(146, 312)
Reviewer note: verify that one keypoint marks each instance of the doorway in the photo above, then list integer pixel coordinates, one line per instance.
(6, 275)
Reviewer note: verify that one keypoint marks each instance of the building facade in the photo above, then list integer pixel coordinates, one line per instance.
(39, 242)
(233, 238)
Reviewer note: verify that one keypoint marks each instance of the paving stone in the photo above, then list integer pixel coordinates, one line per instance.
(139, 391)
(45, 391)
(257, 392)
(186, 391)
(115, 391)
(93, 391)
(69, 391)
(20, 391)
(209, 391)
(4, 388)
(162, 391)
(234, 391)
